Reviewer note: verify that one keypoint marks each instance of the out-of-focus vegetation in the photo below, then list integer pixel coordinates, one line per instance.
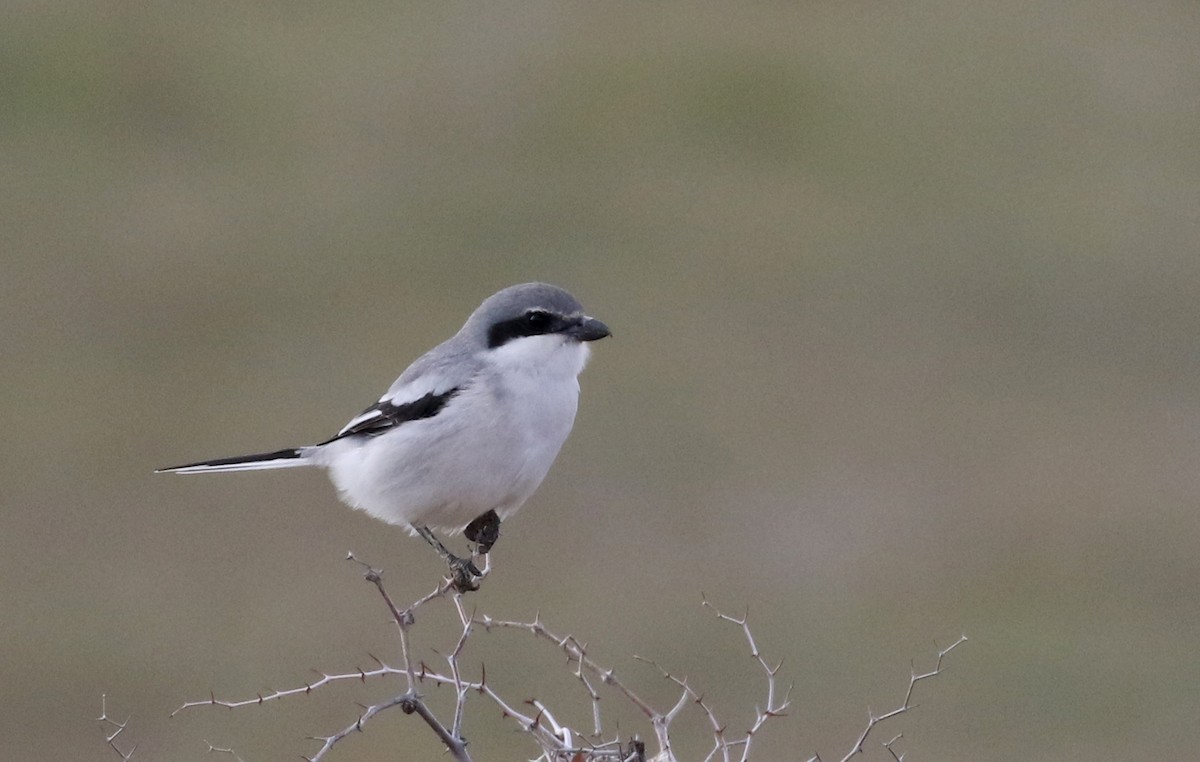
(906, 303)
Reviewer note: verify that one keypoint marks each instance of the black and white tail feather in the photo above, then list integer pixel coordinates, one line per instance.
(258, 462)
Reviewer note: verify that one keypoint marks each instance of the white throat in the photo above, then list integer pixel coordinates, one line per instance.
(547, 355)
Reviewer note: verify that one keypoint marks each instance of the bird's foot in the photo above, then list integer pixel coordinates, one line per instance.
(464, 574)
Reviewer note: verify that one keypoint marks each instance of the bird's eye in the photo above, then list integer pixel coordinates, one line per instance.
(538, 319)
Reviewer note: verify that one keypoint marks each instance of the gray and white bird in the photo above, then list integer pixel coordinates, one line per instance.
(467, 432)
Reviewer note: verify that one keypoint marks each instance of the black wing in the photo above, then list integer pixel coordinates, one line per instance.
(385, 415)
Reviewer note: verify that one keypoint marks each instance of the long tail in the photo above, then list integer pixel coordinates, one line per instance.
(261, 461)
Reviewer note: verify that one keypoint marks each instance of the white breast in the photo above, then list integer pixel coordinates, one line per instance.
(488, 449)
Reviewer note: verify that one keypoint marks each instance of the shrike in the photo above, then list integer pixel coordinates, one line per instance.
(467, 432)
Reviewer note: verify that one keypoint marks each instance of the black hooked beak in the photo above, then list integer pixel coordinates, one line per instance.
(588, 329)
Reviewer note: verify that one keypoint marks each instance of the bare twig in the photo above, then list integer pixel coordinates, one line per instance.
(914, 678)
(722, 745)
(262, 698)
(774, 707)
(113, 729)
(689, 693)
(409, 704)
(558, 741)
(575, 652)
(218, 750)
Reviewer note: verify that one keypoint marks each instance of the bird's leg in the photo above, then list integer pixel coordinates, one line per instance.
(484, 531)
(462, 570)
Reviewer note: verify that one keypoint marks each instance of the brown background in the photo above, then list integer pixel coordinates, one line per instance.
(905, 304)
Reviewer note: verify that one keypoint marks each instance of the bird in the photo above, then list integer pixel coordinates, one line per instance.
(466, 434)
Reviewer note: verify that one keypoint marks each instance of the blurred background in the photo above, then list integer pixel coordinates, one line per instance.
(907, 336)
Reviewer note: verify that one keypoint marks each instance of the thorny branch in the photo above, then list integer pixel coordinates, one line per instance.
(218, 750)
(874, 719)
(113, 729)
(557, 742)
(775, 707)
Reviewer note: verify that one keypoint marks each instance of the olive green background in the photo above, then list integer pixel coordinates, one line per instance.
(906, 313)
